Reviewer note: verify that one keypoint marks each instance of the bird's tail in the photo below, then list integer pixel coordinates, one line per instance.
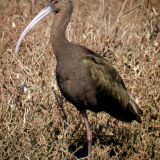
(135, 110)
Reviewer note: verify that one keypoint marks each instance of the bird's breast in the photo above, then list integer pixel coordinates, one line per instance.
(76, 87)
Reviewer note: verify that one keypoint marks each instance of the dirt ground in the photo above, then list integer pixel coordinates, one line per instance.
(36, 122)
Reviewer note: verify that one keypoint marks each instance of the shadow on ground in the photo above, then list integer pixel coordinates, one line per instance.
(112, 142)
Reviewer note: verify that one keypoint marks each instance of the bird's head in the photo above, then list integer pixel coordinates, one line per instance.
(54, 6)
(59, 4)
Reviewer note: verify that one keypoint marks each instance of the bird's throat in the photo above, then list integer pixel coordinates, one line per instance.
(58, 30)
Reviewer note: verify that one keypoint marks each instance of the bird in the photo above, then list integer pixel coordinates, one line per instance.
(85, 79)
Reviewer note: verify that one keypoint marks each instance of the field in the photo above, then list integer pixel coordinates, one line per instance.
(36, 122)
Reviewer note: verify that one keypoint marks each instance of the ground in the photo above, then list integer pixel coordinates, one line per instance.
(36, 122)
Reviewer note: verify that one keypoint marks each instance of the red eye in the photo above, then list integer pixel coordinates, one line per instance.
(54, 1)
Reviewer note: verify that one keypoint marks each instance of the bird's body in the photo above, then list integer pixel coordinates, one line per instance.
(89, 82)
(86, 79)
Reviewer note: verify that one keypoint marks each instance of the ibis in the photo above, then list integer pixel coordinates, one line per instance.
(85, 79)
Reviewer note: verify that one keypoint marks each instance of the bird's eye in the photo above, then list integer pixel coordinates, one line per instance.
(54, 1)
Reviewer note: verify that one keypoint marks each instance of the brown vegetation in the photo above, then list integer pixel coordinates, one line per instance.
(36, 122)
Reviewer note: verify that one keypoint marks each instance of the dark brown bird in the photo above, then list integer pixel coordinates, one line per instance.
(85, 79)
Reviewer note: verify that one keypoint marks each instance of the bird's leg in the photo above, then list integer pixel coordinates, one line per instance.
(89, 132)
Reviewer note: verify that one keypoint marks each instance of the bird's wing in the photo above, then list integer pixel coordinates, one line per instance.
(106, 79)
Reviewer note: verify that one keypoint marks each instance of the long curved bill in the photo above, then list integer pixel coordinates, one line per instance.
(39, 17)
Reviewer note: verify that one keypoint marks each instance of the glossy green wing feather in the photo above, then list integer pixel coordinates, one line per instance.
(106, 79)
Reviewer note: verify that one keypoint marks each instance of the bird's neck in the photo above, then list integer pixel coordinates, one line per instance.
(58, 37)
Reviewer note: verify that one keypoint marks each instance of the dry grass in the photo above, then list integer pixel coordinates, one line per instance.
(37, 123)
